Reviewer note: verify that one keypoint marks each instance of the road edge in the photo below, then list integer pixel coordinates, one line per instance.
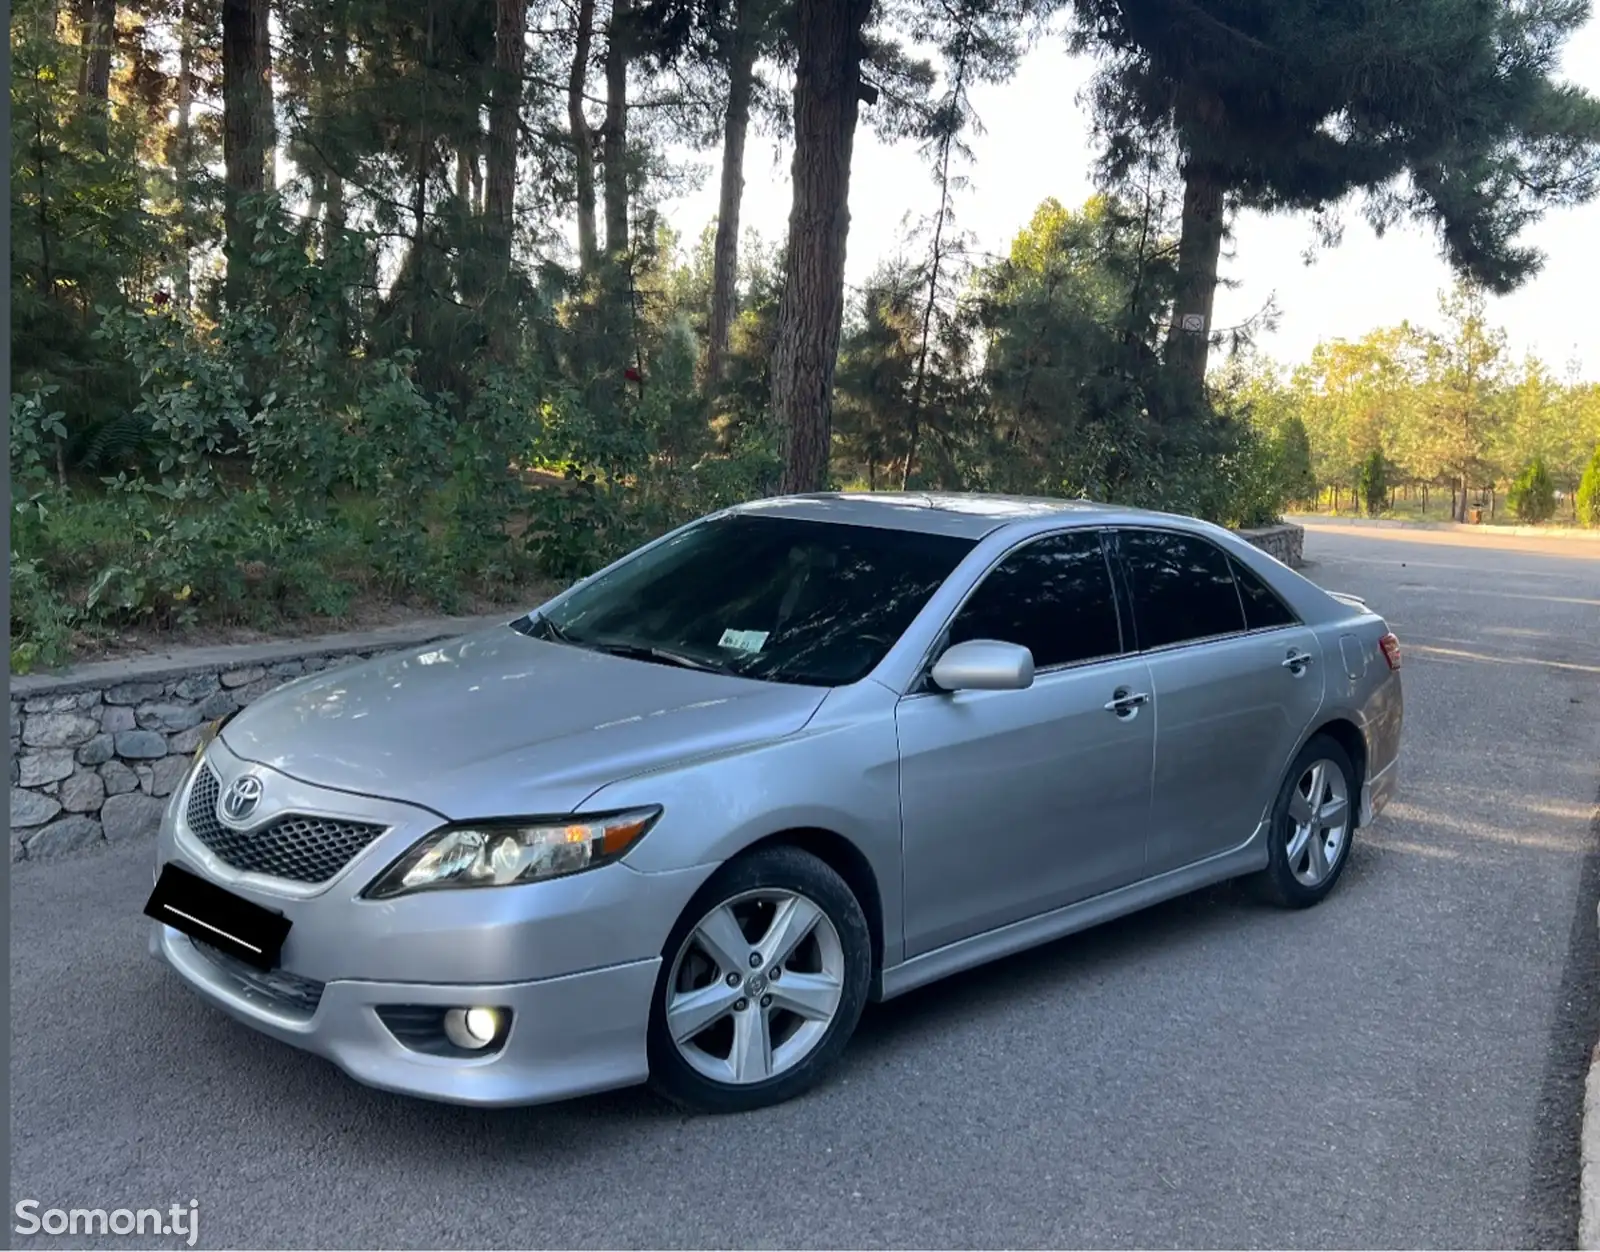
(1589, 1154)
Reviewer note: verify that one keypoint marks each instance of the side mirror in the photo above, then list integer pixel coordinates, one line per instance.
(984, 665)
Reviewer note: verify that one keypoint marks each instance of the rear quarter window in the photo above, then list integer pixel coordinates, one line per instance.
(1263, 608)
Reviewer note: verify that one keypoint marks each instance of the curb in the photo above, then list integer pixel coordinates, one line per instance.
(1589, 1157)
(1312, 521)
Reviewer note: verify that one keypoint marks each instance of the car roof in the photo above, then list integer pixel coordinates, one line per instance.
(970, 515)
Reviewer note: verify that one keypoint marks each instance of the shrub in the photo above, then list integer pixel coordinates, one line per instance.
(1533, 495)
(1589, 492)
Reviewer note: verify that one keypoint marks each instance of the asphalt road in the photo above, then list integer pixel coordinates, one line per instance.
(1400, 1067)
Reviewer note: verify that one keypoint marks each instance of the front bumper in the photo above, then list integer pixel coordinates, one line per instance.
(569, 1036)
(575, 959)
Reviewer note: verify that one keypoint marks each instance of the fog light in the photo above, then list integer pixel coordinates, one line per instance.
(471, 1028)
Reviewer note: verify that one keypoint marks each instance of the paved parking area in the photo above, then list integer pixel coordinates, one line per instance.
(1401, 1067)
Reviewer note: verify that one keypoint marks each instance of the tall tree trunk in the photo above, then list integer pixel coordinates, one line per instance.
(505, 116)
(618, 51)
(826, 101)
(183, 150)
(919, 387)
(1199, 251)
(505, 99)
(333, 217)
(583, 136)
(419, 192)
(725, 251)
(247, 125)
(94, 73)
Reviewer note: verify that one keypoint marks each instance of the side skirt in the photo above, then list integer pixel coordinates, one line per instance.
(964, 954)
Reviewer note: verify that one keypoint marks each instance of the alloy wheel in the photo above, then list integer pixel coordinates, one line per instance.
(755, 986)
(1319, 822)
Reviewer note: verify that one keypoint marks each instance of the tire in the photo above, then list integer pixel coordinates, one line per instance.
(1291, 878)
(749, 909)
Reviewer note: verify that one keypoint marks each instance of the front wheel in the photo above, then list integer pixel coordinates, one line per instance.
(1312, 824)
(762, 983)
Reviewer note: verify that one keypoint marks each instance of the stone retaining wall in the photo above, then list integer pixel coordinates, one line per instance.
(1285, 541)
(97, 749)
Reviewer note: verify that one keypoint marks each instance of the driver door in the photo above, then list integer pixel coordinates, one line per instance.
(1014, 803)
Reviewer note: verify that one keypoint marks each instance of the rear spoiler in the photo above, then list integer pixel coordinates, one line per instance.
(1355, 602)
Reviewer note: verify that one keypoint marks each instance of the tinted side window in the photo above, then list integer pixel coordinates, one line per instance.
(1182, 588)
(1262, 608)
(1053, 597)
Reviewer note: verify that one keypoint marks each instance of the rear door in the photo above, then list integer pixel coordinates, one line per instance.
(1017, 802)
(1236, 679)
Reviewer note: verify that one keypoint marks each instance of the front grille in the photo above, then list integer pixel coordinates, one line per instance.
(294, 846)
(285, 990)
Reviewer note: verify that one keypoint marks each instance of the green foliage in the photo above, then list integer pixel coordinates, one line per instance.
(1533, 494)
(1588, 500)
(1372, 483)
(81, 233)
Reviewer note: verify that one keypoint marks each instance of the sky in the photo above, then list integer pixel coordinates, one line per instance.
(1036, 144)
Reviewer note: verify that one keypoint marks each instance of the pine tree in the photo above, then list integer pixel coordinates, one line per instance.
(1290, 104)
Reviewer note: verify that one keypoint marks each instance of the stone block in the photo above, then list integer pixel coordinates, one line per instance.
(141, 745)
(130, 816)
(29, 808)
(167, 717)
(70, 834)
(84, 792)
(97, 751)
(47, 765)
(119, 779)
(59, 730)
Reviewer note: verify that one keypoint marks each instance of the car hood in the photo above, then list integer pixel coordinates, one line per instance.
(501, 724)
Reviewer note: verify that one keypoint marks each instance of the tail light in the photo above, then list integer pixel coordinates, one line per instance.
(1391, 649)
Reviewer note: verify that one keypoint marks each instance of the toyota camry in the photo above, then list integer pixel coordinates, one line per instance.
(680, 823)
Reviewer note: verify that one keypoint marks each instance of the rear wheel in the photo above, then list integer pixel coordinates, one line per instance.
(762, 983)
(1312, 824)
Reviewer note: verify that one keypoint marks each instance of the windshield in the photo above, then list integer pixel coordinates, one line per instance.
(779, 599)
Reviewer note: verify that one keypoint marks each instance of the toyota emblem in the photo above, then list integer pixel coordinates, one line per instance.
(240, 799)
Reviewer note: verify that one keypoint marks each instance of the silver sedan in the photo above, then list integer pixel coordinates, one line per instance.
(681, 822)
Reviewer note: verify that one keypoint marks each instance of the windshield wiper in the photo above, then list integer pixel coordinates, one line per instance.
(538, 626)
(649, 652)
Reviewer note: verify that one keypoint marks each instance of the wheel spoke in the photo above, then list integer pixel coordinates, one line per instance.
(812, 996)
(751, 1057)
(690, 1012)
(1301, 810)
(1297, 845)
(719, 935)
(1317, 866)
(1332, 814)
(792, 921)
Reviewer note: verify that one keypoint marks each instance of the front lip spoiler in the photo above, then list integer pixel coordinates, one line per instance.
(571, 1034)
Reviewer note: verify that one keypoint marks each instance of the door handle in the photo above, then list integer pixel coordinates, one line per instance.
(1126, 703)
(1297, 661)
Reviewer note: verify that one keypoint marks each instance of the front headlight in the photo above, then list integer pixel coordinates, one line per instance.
(501, 853)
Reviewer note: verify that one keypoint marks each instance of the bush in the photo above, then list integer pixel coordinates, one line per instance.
(1589, 493)
(1533, 495)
